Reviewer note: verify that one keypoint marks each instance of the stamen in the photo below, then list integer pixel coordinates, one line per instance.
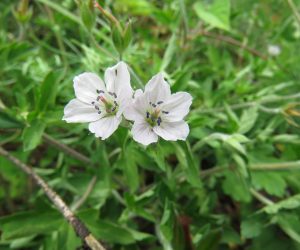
(99, 112)
(165, 112)
(115, 102)
(147, 114)
(96, 107)
(113, 109)
(116, 71)
(115, 95)
(103, 99)
(93, 103)
(160, 102)
(111, 93)
(158, 121)
(153, 105)
(99, 91)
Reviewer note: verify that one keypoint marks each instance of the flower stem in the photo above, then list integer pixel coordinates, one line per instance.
(79, 227)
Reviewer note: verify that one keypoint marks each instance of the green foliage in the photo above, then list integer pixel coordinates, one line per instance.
(234, 184)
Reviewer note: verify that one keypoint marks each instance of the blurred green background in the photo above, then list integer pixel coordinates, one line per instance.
(234, 184)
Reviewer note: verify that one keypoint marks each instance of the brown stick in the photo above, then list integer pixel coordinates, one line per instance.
(228, 40)
(80, 228)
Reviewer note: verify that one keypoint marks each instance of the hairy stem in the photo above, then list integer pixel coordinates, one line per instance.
(80, 228)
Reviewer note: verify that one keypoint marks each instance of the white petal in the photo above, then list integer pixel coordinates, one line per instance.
(172, 131)
(105, 126)
(158, 89)
(117, 79)
(86, 86)
(136, 111)
(77, 111)
(177, 105)
(143, 133)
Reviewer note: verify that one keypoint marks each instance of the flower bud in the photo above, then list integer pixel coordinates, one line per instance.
(121, 36)
(23, 12)
(87, 13)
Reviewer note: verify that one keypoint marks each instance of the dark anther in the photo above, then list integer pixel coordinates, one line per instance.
(150, 103)
(165, 79)
(111, 93)
(165, 112)
(115, 95)
(93, 103)
(115, 102)
(153, 105)
(113, 109)
(99, 112)
(158, 121)
(96, 107)
(99, 91)
(147, 114)
(98, 98)
(116, 71)
(160, 102)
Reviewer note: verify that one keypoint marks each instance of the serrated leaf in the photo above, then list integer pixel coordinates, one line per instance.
(272, 183)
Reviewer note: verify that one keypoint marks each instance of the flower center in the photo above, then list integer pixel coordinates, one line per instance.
(106, 100)
(154, 114)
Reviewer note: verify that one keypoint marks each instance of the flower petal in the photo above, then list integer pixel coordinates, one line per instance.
(158, 89)
(143, 133)
(172, 131)
(77, 111)
(105, 126)
(177, 106)
(117, 79)
(86, 86)
(136, 111)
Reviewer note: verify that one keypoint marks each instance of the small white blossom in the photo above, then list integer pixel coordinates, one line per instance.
(99, 104)
(157, 112)
(274, 50)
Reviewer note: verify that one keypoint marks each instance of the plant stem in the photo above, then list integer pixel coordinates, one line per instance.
(86, 194)
(248, 104)
(80, 228)
(66, 149)
(261, 198)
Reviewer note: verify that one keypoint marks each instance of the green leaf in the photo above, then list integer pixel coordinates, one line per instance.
(217, 14)
(247, 120)
(67, 238)
(290, 224)
(235, 188)
(130, 167)
(189, 163)
(48, 91)
(252, 227)
(32, 135)
(273, 183)
(170, 51)
(292, 202)
(29, 223)
(7, 121)
(211, 240)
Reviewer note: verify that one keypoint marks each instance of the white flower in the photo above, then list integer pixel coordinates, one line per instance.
(274, 50)
(157, 112)
(98, 104)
